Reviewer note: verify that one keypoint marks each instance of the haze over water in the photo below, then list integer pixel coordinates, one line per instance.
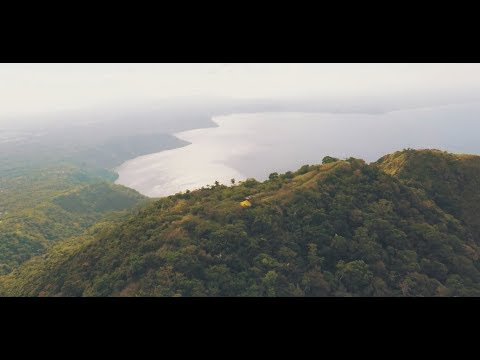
(254, 145)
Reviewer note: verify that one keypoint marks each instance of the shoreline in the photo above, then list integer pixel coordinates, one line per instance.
(256, 143)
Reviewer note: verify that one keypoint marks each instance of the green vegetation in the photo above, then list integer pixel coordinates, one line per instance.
(55, 184)
(451, 180)
(329, 159)
(43, 206)
(88, 152)
(403, 226)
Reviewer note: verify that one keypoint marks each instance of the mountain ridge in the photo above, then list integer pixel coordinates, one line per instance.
(342, 228)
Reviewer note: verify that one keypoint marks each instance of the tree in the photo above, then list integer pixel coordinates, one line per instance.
(232, 181)
(328, 160)
(355, 276)
(341, 246)
(250, 183)
(416, 284)
(303, 170)
(269, 282)
(273, 176)
(315, 283)
(313, 259)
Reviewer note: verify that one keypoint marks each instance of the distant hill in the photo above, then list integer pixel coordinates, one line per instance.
(403, 226)
(95, 198)
(101, 154)
(52, 205)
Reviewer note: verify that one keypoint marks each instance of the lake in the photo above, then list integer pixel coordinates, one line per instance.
(255, 145)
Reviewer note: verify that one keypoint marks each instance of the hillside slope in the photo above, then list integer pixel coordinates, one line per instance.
(451, 180)
(343, 228)
(49, 206)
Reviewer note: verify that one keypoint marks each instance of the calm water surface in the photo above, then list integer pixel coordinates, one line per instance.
(254, 145)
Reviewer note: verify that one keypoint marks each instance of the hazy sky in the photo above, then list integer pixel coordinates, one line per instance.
(39, 88)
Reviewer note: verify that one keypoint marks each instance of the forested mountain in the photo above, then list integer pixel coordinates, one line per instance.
(403, 226)
(41, 206)
(451, 180)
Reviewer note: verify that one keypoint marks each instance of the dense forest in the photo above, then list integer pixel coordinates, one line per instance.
(405, 225)
(40, 206)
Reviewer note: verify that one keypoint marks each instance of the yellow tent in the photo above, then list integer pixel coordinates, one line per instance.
(245, 203)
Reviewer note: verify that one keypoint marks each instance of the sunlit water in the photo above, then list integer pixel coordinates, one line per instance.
(254, 145)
